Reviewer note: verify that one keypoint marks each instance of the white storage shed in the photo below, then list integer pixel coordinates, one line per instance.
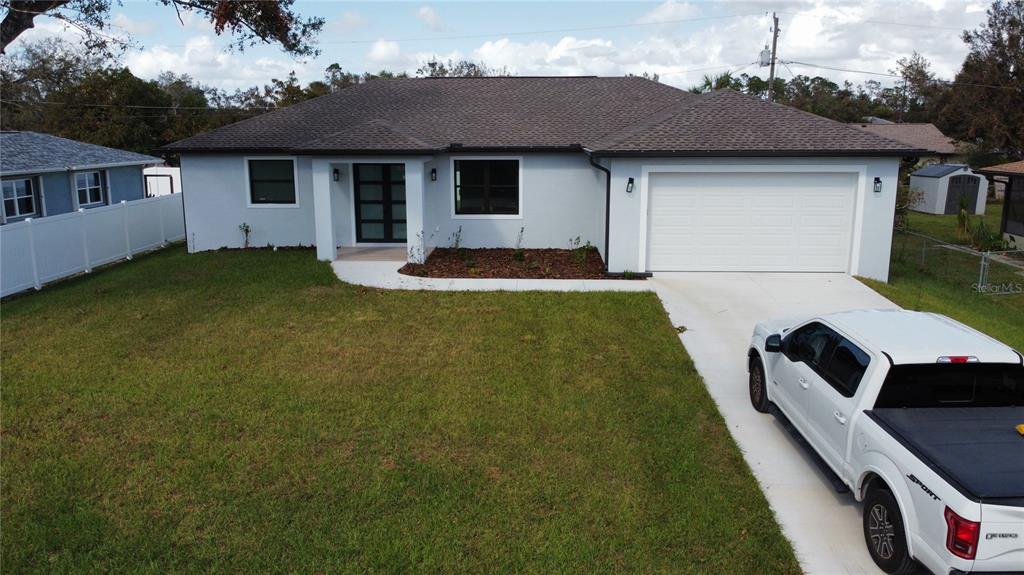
(943, 185)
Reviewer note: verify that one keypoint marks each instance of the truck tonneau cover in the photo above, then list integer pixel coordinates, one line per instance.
(976, 449)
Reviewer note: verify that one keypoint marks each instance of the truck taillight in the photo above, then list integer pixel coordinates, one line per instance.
(957, 359)
(961, 535)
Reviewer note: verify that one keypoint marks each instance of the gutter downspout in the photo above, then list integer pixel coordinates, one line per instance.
(607, 200)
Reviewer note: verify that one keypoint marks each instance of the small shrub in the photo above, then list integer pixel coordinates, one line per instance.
(246, 230)
(628, 275)
(963, 224)
(456, 239)
(519, 255)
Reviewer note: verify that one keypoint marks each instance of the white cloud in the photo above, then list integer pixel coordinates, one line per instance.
(668, 11)
(134, 27)
(348, 22)
(430, 18)
(203, 60)
(386, 53)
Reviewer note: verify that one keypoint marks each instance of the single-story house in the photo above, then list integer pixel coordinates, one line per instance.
(655, 177)
(43, 175)
(1012, 175)
(944, 186)
(939, 147)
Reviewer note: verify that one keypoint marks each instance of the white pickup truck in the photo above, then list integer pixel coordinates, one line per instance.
(917, 415)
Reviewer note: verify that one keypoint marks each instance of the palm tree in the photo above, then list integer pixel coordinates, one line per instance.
(710, 83)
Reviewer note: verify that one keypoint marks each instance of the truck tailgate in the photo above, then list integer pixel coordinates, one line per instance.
(976, 449)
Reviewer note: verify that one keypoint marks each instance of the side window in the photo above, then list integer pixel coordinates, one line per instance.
(846, 367)
(809, 343)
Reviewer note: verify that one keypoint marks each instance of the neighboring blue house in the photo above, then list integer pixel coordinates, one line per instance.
(43, 175)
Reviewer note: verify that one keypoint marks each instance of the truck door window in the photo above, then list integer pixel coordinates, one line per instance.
(809, 344)
(846, 367)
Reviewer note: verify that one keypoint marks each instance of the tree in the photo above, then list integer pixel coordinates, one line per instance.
(718, 82)
(34, 72)
(985, 102)
(436, 68)
(248, 22)
(918, 96)
(110, 107)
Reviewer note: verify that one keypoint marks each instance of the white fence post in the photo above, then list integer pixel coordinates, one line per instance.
(127, 236)
(85, 241)
(160, 214)
(32, 254)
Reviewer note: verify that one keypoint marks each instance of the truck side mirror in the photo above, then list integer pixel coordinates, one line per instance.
(773, 343)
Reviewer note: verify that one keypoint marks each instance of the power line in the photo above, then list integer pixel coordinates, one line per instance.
(890, 75)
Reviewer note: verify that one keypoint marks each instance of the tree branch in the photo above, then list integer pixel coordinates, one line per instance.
(20, 17)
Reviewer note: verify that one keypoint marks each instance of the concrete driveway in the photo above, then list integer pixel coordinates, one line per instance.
(719, 311)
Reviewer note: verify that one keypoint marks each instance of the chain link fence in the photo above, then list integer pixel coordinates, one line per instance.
(995, 273)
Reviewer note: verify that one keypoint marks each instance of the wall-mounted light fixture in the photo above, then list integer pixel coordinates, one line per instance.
(336, 175)
(878, 185)
(433, 174)
(629, 186)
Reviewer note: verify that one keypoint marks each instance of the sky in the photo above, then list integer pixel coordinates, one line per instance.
(680, 41)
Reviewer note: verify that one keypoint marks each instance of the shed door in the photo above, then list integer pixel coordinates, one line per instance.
(962, 187)
(750, 221)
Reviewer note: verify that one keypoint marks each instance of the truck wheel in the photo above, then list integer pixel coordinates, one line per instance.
(884, 533)
(758, 387)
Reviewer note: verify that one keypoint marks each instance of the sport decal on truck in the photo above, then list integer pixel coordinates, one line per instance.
(924, 487)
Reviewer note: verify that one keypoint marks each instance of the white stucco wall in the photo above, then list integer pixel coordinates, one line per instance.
(215, 193)
(562, 198)
(872, 235)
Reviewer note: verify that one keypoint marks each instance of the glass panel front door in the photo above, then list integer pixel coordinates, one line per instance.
(380, 202)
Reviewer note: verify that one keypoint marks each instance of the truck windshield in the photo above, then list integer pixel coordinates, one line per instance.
(953, 385)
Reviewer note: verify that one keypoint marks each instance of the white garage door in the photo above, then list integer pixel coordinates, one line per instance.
(749, 221)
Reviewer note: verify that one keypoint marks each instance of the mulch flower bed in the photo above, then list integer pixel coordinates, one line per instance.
(507, 263)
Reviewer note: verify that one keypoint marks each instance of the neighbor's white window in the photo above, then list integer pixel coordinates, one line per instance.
(19, 200)
(90, 188)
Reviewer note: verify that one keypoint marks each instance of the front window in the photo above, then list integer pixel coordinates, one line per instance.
(271, 182)
(90, 188)
(487, 187)
(19, 200)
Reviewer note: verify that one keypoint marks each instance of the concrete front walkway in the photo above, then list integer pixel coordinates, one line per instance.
(384, 274)
(719, 311)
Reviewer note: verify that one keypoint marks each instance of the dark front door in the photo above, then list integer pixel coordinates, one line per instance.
(380, 202)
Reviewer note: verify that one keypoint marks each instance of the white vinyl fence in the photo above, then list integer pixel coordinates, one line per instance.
(37, 251)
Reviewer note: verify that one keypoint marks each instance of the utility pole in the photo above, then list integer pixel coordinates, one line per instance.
(771, 73)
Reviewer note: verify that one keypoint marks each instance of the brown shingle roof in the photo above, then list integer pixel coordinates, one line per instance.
(1010, 169)
(925, 136)
(622, 115)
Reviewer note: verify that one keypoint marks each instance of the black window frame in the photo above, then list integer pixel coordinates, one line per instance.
(822, 364)
(487, 210)
(250, 180)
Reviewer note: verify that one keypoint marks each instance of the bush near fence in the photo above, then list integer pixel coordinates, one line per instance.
(36, 251)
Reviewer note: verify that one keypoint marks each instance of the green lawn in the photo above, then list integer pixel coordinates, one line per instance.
(942, 280)
(944, 227)
(246, 412)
